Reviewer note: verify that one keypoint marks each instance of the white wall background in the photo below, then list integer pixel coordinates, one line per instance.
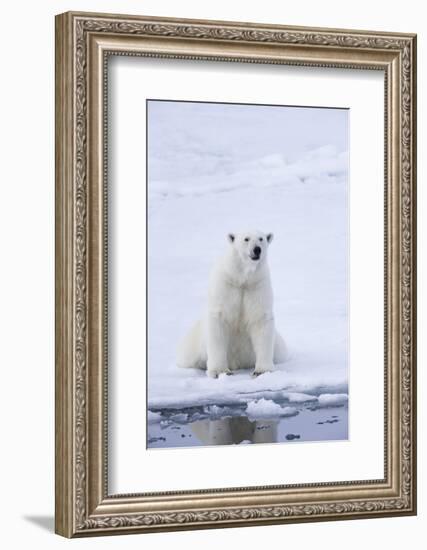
(27, 272)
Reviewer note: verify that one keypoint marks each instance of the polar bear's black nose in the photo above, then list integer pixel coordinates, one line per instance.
(257, 250)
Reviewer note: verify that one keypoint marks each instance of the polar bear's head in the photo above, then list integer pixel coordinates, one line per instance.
(251, 246)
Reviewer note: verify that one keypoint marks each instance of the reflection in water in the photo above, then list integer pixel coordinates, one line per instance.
(234, 430)
(188, 428)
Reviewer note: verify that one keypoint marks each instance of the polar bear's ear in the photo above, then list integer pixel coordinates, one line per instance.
(270, 237)
(231, 237)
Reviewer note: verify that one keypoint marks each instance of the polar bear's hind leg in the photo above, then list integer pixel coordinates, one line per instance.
(280, 353)
(192, 350)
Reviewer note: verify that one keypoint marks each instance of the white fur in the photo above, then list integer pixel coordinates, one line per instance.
(237, 330)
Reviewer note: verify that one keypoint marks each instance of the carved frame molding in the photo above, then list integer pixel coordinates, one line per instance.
(83, 43)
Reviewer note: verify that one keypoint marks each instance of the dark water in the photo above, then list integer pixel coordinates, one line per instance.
(230, 426)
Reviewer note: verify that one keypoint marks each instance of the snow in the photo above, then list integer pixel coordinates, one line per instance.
(332, 400)
(294, 397)
(180, 418)
(154, 417)
(324, 163)
(214, 410)
(186, 388)
(218, 168)
(265, 408)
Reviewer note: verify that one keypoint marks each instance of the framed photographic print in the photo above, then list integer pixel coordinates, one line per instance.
(235, 274)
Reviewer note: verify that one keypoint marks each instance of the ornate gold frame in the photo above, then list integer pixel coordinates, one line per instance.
(83, 505)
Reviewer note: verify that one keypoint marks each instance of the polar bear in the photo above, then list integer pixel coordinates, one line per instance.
(237, 330)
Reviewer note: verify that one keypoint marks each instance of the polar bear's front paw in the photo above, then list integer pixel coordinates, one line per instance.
(261, 370)
(214, 373)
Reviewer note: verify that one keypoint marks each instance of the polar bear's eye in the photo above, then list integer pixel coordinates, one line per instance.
(247, 239)
(261, 239)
